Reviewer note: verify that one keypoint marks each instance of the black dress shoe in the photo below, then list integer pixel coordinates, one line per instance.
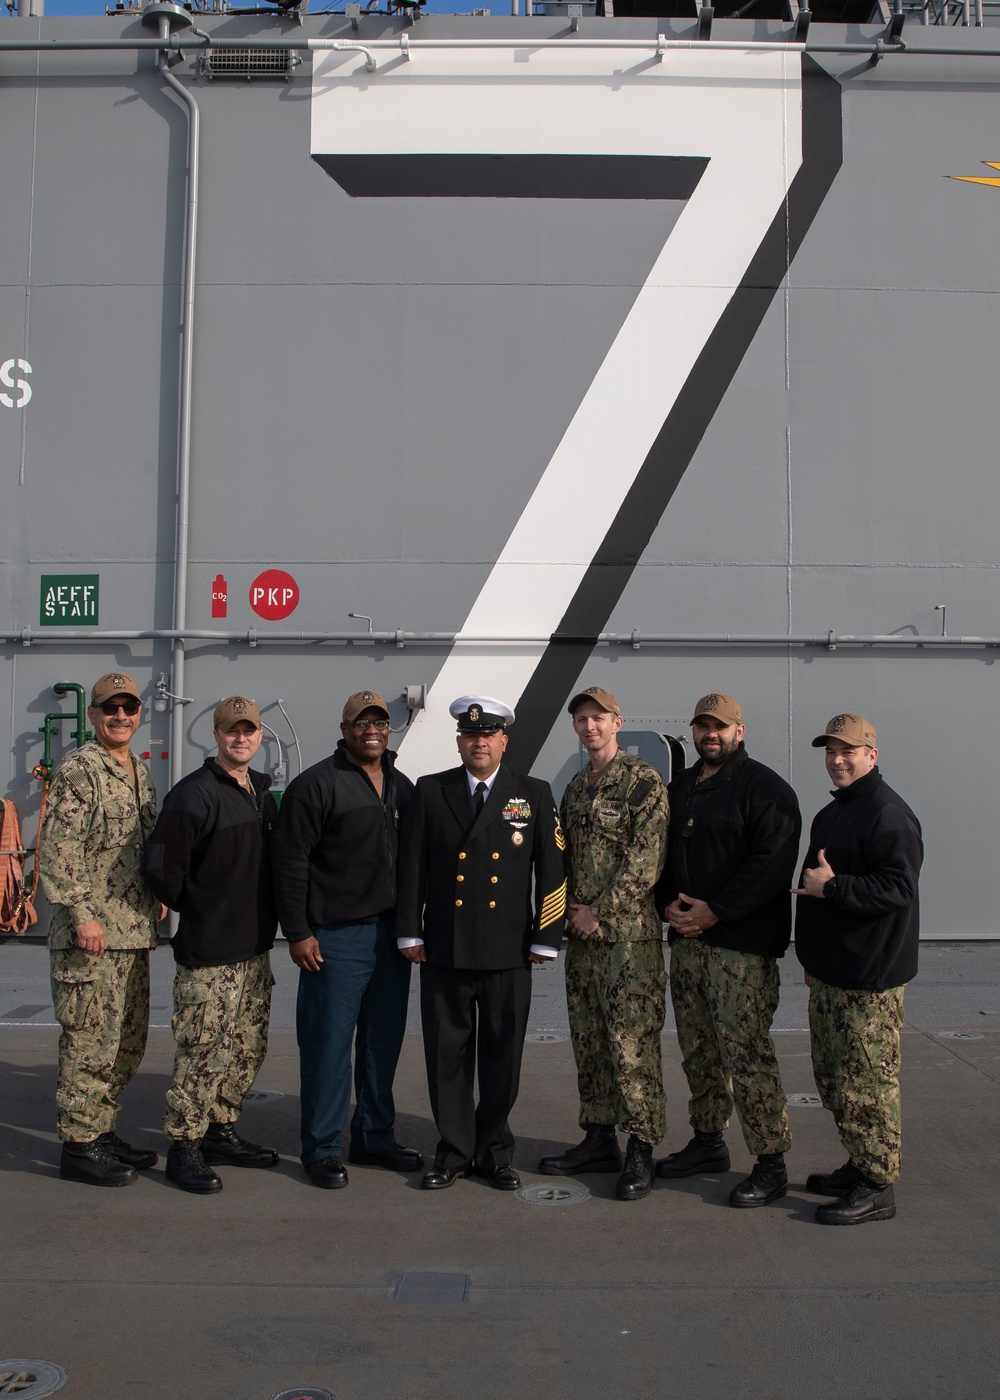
(599, 1152)
(187, 1168)
(636, 1180)
(503, 1178)
(439, 1177)
(394, 1158)
(93, 1163)
(865, 1201)
(835, 1183)
(223, 1145)
(138, 1157)
(706, 1152)
(329, 1172)
(766, 1182)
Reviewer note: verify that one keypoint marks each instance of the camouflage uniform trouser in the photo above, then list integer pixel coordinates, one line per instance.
(101, 1001)
(616, 998)
(855, 1054)
(724, 1003)
(220, 1024)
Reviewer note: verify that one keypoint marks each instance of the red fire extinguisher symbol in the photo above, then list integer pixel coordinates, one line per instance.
(220, 596)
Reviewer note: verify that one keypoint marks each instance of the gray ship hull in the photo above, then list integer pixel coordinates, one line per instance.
(571, 357)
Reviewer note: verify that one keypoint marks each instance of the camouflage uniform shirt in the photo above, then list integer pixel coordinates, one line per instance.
(617, 841)
(91, 847)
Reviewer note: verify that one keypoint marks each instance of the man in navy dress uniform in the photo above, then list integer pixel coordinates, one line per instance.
(477, 841)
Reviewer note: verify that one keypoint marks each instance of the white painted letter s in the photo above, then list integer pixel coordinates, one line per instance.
(20, 384)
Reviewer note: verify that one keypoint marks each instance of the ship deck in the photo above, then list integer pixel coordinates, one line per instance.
(385, 1290)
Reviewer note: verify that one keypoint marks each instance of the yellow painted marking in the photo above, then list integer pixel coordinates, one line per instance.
(980, 179)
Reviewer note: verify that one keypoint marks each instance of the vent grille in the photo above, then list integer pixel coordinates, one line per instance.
(247, 63)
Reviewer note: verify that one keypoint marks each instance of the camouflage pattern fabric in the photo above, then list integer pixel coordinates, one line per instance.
(724, 1002)
(220, 1023)
(101, 1001)
(617, 842)
(615, 992)
(91, 846)
(855, 1053)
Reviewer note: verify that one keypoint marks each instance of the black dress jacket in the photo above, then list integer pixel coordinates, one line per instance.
(863, 933)
(734, 841)
(466, 882)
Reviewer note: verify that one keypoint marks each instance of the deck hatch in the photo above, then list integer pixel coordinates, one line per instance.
(22, 1013)
(221, 62)
(432, 1288)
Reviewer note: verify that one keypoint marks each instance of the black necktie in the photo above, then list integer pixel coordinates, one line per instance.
(480, 798)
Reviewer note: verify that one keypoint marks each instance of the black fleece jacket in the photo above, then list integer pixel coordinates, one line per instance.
(207, 857)
(864, 932)
(335, 845)
(733, 842)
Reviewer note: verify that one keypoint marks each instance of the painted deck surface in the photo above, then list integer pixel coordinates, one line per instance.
(148, 1293)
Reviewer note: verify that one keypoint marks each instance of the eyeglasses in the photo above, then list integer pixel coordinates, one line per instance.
(111, 707)
(360, 725)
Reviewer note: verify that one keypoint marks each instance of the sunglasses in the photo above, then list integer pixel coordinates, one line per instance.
(111, 707)
(360, 725)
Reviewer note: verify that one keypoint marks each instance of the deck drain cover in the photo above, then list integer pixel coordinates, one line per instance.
(803, 1101)
(567, 1193)
(267, 1096)
(309, 1392)
(959, 1035)
(432, 1288)
(545, 1037)
(30, 1379)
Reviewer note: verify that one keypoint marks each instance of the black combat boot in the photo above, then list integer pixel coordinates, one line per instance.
(93, 1163)
(141, 1158)
(223, 1145)
(706, 1152)
(866, 1200)
(766, 1182)
(187, 1168)
(599, 1152)
(636, 1180)
(835, 1183)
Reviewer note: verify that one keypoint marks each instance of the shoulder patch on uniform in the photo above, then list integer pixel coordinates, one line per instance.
(640, 792)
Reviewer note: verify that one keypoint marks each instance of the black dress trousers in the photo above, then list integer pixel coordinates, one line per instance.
(465, 1012)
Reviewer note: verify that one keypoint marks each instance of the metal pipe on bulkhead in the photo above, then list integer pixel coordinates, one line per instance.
(828, 641)
(184, 397)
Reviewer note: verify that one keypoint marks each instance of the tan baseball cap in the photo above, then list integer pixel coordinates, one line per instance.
(718, 706)
(850, 729)
(600, 696)
(113, 683)
(230, 711)
(363, 700)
